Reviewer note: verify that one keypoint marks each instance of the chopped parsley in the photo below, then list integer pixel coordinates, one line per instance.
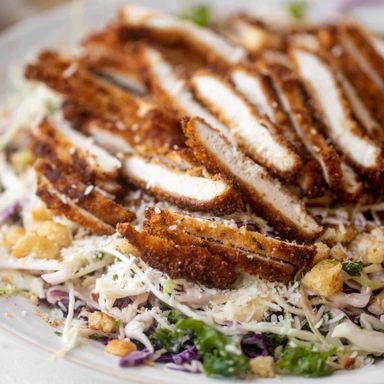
(218, 351)
(115, 276)
(58, 333)
(117, 324)
(353, 268)
(305, 360)
(199, 14)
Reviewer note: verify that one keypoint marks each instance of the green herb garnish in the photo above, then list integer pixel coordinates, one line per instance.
(58, 333)
(174, 316)
(167, 339)
(353, 268)
(117, 324)
(199, 14)
(218, 351)
(115, 276)
(297, 9)
(305, 360)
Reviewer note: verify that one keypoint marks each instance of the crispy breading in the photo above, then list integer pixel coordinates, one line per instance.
(240, 238)
(266, 195)
(368, 92)
(170, 30)
(180, 261)
(85, 196)
(244, 261)
(64, 206)
(169, 86)
(362, 153)
(68, 142)
(295, 101)
(141, 120)
(260, 91)
(104, 53)
(361, 40)
(184, 189)
(253, 34)
(255, 134)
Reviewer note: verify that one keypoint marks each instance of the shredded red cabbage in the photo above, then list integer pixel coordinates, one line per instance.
(134, 358)
(180, 358)
(254, 345)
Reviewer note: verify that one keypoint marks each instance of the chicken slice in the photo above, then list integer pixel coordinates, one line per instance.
(259, 90)
(265, 194)
(294, 100)
(252, 34)
(360, 46)
(64, 206)
(142, 121)
(326, 92)
(171, 88)
(240, 238)
(183, 188)
(180, 261)
(87, 196)
(116, 62)
(368, 94)
(70, 140)
(243, 261)
(256, 135)
(170, 30)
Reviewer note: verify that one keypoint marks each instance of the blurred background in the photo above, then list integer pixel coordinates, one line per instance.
(369, 11)
(15, 10)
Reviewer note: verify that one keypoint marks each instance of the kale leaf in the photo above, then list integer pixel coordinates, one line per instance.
(305, 360)
(167, 339)
(220, 357)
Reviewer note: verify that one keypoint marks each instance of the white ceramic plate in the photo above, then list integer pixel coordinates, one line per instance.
(63, 28)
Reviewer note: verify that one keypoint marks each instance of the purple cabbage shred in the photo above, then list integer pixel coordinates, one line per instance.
(134, 358)
(180, 358)
(254, 345)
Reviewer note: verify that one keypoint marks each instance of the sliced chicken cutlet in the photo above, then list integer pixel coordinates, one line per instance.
(362, 152)
(252, 34)
(182, 188)
(87, 196)
(266, 195)
(170, 30)
(64, 206)
(229, 236)
(104, 54)
(360, 45)
(241, 261)
(255, 134)
(259, 90)
(294, 100)
(180, 261)
(69, 141)
(171, 88)
(141, 121)
(364, 95)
